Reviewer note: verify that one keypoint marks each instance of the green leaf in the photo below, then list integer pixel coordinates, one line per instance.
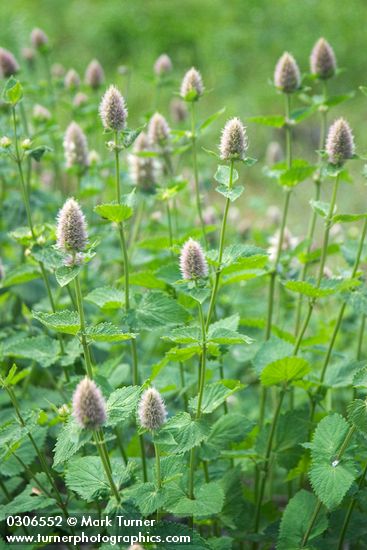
(106, 297)
(212, 118)
(21, 274)
(295, 175)
(13, 91)
(64, 275)
(229, 428)
(327, 287)
(184, 335)
(42, 349)
(114, 212)
(215, 394)
(270, 351)
(107, 332)
(322, 208)
(209, 500)
(86, 476)
(226, 336)
(28, 500)
(273, 121)
(66, 321)
(121, 404)
(231, 194)
(223, 173)
(70, 439)
(49, 256)
(13, 377)
(295, 520)
(38, 152)
(181, 433)
(154, 310)
(357, 415)
(347, 218)
(292, 430)
(147, 497)
(284, 371)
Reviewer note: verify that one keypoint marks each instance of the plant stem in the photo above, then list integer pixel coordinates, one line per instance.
(79, 299)
(196, 172)
(220, 250)
(350, 511)
(266, 468)
(338, 456)
(106, 466)
(158, 465)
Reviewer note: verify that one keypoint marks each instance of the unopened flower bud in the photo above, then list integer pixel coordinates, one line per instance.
(80, 99)
(8, 64)
(163, 65)
(192, 85)
(39, 39)
(144, 171)
(152, 411)
(192, 261)
(340, 142)
(5, 142)
(72, 80)
(158, 130)
(112, 110)
(71, 228)
(76, 147)
(94, 74)
(26, 144)
(89, 406)
(233, 143)
(287, 77)
(322, 60)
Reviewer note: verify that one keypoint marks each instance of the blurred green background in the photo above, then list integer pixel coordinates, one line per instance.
(235, 44)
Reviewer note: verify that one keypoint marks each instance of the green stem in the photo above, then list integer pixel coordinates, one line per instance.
(79, 299)
(220, 250)
(106, 466)
(196, 172)
(182, 377)
(360, 337)
(169, 219)
(350, 511)
(157, 465)
(269, 448)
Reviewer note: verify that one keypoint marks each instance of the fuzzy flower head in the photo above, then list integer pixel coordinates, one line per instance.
(94, 75)
(144, 171)
(80, 99)
(322, 60)
(28, 55)
(192, 85)
(152, 411)
(75, 147)
(71, 230)
(193, 264)
(178, 110)
(287, 77)
(112, 110)
(163, 65)
(89, 406)
(39, 39)
(72, 80)
(340, 142)
(40, 113)
(158, 130)
(233, 143)
(8, 63)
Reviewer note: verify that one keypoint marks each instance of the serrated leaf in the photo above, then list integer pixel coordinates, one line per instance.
(28, 500)
(38, 152)
(183, 433)
(215, 394)
(122, 404)
(107, 332)
(66, 321)
(284, 371)
(357, 415)
(155, 309)
(295, 520)
(86, 476)
(13, 91)
(64, 275)
(114, 212)
(106, 297)
(147, 497)
(231, 194)
(49, 256)
(21, 274)
(42, 349)
(229, 428)
(326, 288)
(331, 483)
(226, 336)
(184, 335)
(70, 439)
(295, 175)
(322, 208)
(212, 118)
(209, 500)
(223, 173)
(270, 351)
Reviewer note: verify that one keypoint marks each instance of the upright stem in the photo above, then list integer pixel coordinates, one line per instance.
(196, 172)
(220, 250)
(79, 299)
(360, 337)
(264, 475)
(106, 466)
(157, 465)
